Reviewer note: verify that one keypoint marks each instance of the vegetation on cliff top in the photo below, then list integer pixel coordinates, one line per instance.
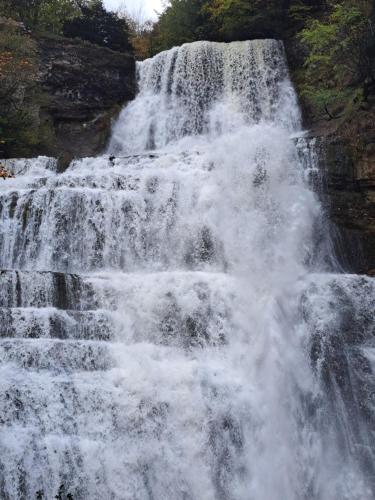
(338, 73)
(85, 19)
(228, 20)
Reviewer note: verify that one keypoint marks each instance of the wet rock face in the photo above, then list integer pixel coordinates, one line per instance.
(350, 185)
(85, 87)
(345, 161)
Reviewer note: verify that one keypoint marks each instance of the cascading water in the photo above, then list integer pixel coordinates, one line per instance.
(205, 88)
(169, 329)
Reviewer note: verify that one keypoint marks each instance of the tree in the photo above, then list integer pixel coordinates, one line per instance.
(26, 11)
(142, 40)
(244, 19)
(99, 26)
(140, 31)
(340, 58)
(229, 20)
(181, 22)
(53, 14)
(44, 15)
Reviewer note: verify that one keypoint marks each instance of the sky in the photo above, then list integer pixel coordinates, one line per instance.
(147, 7)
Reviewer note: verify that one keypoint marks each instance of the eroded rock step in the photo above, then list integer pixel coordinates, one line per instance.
(70, 403)
(184, 309)
(145, 212)
(49, 323)
(56, 355)
(45, 289)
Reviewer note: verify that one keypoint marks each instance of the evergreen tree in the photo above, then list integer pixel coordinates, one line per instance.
(99, 26)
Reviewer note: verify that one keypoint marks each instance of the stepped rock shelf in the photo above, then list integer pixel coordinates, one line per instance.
(174, 323)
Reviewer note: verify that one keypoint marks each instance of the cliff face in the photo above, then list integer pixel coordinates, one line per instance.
(84, 86)
(350, 183)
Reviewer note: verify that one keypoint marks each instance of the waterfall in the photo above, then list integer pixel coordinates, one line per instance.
(206, 88)
(173, 324)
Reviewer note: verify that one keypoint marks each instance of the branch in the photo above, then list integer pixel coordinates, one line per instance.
(331, 117)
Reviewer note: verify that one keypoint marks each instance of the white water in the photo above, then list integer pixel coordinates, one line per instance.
(169, 328)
